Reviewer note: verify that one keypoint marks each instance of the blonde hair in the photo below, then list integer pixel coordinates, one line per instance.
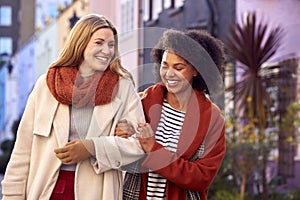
(80, 35)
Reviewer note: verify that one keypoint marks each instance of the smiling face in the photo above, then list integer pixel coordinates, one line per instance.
(176, 74)
(98, 52)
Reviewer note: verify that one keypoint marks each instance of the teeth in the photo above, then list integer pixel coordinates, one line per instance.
(172, 82)
(102, 58)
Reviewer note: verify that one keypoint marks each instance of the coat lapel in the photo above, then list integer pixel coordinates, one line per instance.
(61, 124)
(195, 125)
(102, 118)
(52, 115)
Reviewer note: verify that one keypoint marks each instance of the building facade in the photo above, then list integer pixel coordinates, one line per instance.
(283, 14)
(213, 16)
(9, 40)
(9, 26)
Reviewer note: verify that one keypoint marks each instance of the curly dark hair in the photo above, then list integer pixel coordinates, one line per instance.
(197, 47)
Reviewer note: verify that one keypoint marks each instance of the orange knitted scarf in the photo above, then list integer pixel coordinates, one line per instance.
(68, 87)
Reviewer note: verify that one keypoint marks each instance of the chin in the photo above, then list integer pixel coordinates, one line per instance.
(172, 90)
(102, 68)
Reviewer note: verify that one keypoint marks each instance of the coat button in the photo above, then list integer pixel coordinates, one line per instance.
(117, 163)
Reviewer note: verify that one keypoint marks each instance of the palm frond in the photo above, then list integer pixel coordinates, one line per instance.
(252, 45)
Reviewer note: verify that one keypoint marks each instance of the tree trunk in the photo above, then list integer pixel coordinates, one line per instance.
(242, 186)
(264, 177)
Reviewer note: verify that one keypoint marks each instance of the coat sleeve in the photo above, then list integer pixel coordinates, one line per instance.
(113, 152)
(198, 175)
(16, 175)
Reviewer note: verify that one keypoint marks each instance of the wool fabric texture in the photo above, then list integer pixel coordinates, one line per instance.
(68, 87)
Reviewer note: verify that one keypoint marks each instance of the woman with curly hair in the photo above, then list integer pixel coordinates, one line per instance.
(184, 137)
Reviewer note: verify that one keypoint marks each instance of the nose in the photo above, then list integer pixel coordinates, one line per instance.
(105, 49)
(170, 72)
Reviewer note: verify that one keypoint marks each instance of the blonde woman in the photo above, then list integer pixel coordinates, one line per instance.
(65, 147)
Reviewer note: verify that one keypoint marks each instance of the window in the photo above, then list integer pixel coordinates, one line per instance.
(152, 8)
(156, 9)
(178, 3)
(6, 45)
(5, 15)
(146, 10)
(127, 15)
(52, 10)
(167, 4)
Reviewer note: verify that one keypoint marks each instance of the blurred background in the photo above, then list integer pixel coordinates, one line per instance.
(262, 43)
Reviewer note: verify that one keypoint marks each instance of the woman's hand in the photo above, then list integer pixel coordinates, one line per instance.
(146, 136)
(124, 129)
(72, 152)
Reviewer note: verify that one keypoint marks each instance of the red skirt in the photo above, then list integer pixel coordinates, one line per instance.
(64, 187)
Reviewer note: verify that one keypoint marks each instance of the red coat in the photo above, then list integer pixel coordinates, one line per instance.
(203, 120)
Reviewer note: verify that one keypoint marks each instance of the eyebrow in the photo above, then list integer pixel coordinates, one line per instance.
(176, 64)
(112, 40)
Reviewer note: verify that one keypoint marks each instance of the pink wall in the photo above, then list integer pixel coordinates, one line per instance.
(107, 8)
(284, 13)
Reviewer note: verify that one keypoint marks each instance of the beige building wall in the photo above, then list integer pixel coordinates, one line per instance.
(46, 48)
(51, 39)
(63, 22)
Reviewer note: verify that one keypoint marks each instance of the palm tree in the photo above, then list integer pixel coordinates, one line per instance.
(252, 44)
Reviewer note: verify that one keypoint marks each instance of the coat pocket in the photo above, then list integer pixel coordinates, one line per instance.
(13, 188)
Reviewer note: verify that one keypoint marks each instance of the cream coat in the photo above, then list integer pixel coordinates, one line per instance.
(33, 168)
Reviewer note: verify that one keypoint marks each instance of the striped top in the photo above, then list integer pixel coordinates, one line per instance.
(167, 134)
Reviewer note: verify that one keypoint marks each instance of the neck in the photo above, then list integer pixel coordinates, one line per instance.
(179, 101)
(86, 75)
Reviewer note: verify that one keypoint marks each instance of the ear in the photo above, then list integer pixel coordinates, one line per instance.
(195, 72)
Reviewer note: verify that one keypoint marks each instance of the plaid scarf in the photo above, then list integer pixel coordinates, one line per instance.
(132, 180)
(68, 87)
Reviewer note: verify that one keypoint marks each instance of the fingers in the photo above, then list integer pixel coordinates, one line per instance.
(121, 130)
(72, 142)
(124, 129)
(64, 153)
(123, 135)
(145, 130)
(63, 156)
(60, 150)
(146, 136)
(65, 148)
(73, 152)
